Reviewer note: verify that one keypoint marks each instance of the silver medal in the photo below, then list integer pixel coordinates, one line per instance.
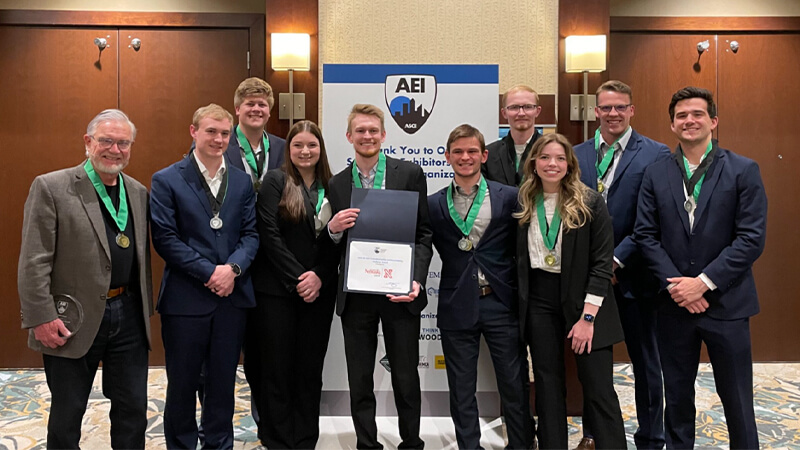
(689, 205)
(215, 222)
(464, 244)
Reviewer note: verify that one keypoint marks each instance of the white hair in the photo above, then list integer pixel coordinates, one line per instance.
(110, 115)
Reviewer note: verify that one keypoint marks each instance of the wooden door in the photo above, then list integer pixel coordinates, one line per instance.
(55, 80)
(160, 86)
(655, 66)
(758, 104)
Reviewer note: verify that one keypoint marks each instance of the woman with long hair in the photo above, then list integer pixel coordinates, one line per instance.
(564, 258)
(295, 299)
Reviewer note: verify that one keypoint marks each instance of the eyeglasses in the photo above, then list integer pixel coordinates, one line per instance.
(605, 109)
(106, 143)
(527, 108)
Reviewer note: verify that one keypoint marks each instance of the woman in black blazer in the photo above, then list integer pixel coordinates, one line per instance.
(564, 259)
(295, 297)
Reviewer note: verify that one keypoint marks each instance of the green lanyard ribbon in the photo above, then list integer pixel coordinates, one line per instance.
(248, 150)
(320, 197)
(602, 166)
(701, 170)
(121, 216)
(466, 224)
(549, 231)
(380, 172)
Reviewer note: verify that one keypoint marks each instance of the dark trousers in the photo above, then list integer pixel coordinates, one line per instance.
(638, 318)
(545, 332)
(500, 328)
(209, 343)
(360, 320)
(121, 344)
(294, 339)
(728, 342)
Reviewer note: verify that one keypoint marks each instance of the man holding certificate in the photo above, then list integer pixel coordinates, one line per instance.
(361, 308)
(475, 235)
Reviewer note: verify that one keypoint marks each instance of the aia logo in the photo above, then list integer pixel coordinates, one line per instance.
(410, 99)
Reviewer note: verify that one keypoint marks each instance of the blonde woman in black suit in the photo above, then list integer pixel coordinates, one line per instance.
(295, 298)
(564, 260)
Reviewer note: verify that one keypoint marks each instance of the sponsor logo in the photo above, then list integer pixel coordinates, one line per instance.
(385, 363)
(432, 291)
(438, 362)
(423, 362)
(410, 99)
(427, 315)
(430, 334)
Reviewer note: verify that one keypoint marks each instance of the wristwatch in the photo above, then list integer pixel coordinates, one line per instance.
(236, 269)
(588, 317)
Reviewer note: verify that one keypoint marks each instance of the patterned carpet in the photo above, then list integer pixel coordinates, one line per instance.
(25, 400)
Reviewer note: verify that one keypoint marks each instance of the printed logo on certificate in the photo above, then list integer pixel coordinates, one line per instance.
(379, 267)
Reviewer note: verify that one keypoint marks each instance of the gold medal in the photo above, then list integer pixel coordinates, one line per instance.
(550, 260)
(600, 186)
(122, 240)
(464, 244)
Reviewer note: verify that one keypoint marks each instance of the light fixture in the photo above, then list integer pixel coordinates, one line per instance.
(584, 54)
(291, 51)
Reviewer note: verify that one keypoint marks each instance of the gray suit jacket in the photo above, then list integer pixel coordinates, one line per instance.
(65, 251)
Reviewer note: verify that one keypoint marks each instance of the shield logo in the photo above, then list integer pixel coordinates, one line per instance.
(410, 99)
(61, 306)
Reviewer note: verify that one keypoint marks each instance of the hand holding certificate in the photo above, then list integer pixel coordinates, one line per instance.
(380, 247)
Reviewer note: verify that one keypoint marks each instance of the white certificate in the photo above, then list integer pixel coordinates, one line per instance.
(379, 267)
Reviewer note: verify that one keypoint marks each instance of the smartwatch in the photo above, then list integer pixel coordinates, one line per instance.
(588, 317)
(236, 269)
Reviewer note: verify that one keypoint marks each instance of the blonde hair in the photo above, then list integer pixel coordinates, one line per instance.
(572, 192)
(213, 111)
(519, 88)
(367, 110)
(253, 87)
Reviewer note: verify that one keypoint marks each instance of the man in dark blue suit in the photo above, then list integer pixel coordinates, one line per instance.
(204, 227)
(701, 225)
(613, 163)
(475, 235)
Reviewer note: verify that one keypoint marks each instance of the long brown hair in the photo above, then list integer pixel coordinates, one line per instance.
(292, 204)
(572, 193)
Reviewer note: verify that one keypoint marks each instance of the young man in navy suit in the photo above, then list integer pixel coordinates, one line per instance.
(475, 235)
(701, 225)
(204, 227)
(613, 163)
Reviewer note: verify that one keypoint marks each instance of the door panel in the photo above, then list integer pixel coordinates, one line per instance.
(762, 125)
(55, 80)
(655, 66)
(160, 86)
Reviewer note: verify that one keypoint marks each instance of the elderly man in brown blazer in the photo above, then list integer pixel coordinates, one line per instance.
(85, 247)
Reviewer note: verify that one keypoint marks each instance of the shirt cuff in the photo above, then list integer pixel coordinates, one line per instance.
(335, 237)
(619, 263)
(704, 278)
(595, 300)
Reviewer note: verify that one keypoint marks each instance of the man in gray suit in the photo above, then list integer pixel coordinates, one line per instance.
(84, 235)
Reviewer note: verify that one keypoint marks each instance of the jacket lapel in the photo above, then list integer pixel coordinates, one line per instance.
(625, 160)
(675, 180)
(85, 188)
(567, 248)
(138, 208)
(497, 210)
(709, 182)
(192, 178)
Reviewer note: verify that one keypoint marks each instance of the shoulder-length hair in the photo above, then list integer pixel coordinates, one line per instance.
(571, 194)
(292, 204)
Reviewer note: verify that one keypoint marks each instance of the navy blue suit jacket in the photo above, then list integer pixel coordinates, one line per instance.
(635, 281)
(276, 149)
(191, 249)
(494, 256)
(728, 234)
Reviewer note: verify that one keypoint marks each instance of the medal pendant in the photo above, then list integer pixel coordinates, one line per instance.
(215, 222)
(464, 244)
(689, 205)
(600, 186)
(122, 240)
(550, 260)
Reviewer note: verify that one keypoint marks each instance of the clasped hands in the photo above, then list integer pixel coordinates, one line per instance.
(688, 292)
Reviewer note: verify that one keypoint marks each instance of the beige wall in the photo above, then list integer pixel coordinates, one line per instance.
(198, 6)
(711, 8)
(521, 37)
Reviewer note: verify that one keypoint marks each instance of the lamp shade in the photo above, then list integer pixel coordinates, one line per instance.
(586, 53)
(291, 51)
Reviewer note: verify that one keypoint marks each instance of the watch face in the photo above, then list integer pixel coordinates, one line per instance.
(589, 318)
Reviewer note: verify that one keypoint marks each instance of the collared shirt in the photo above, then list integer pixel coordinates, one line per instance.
(257, 154)
(520, 148)
(608, 180)
(463, 201)
(311, 195)
(711, 285)
(213, 182)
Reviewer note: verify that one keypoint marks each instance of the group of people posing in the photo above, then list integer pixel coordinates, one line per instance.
(542, 245)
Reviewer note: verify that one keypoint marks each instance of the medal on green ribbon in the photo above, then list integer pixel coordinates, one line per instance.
(549, 231)
(380, 172)
(120, 217)
(466, 224)
(694, 182)
(249, 156)
(602, 166)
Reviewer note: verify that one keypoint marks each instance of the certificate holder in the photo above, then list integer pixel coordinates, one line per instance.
(381, 246)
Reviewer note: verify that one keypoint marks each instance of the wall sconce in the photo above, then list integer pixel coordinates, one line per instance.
(291, 51)
(585, 54)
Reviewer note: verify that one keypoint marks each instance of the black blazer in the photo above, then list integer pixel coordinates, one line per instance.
(494, 255)
(290, 248)
(499, 165)
(400, 175)
(587, 255)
